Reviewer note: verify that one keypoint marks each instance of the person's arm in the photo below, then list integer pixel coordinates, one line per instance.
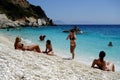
(67, 37)
(50, 48)
(75, 37)
(45, 50)
(94, 63)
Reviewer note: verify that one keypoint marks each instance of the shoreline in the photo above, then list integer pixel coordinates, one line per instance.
(16, 64)
(65, 54)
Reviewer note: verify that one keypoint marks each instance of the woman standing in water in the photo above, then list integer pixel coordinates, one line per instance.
(72, 38)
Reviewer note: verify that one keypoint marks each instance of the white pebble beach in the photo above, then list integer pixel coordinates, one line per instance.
(29, 65)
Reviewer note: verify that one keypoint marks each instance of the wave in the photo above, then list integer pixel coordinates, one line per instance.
(27, 41)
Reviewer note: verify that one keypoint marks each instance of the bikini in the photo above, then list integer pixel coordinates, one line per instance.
(72, 38)
(22, 47)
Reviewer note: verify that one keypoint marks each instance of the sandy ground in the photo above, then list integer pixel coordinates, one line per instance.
(26, 65)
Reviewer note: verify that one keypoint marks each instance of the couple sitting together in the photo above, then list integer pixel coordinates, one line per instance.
(36, 48)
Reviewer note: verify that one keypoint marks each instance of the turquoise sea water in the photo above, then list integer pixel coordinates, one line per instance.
(94, 39)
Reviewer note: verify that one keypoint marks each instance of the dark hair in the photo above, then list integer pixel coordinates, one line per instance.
(49, 42)
(102, 55)
(44, 36)
(110, 44)
(72, 31)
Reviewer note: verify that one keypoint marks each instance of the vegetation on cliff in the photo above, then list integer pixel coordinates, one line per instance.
(15, 9)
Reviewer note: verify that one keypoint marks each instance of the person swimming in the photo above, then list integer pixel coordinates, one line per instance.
(110, 44)
(42, 37)
(101, 64)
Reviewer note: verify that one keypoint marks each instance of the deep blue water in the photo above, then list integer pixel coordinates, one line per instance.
(94, 39)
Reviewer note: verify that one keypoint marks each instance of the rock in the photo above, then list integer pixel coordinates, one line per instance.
(5, 22)
(22, 13)
(45, 21)
(22, 3)
(27, 21)
(41, 22)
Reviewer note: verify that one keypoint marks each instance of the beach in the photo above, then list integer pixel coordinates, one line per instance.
(26, 65)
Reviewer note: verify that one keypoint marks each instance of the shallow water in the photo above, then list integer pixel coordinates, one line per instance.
(94, 39)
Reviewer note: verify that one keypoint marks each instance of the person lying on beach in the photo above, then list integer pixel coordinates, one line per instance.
(20, 46)
(101, 64)
(49, 50)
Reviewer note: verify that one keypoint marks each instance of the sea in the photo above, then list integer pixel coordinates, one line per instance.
(95, 38)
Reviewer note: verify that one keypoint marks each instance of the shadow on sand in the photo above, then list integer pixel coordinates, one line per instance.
(67, 58)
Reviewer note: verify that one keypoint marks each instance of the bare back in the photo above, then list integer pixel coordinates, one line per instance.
(98, 64)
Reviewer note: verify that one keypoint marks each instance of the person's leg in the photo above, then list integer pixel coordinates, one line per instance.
(34, 48)
(38, 49)
(72, 51)
(51, 53)
(110, 67)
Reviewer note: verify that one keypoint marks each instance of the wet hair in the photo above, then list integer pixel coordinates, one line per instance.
(48, 42)
(102, 55)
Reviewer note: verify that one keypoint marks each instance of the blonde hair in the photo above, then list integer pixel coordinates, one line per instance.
(18, 39)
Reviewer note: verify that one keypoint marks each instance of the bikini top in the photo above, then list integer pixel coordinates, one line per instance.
(21, 46)
(72, 38)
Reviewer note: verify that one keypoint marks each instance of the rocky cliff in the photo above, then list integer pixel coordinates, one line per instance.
(22, 3)
(21, 10)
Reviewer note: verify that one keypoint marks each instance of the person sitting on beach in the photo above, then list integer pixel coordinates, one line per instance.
(20, 46)
(49, 49)
(42, 37)
(110, 44)
(101, 64)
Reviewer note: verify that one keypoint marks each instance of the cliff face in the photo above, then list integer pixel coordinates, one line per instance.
(22, 3)
(16, 9)
(19, 9)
